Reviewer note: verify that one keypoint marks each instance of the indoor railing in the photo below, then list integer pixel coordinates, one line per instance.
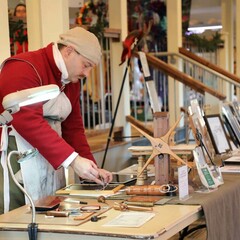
(197, 78)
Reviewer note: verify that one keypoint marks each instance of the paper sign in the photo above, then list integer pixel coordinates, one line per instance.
(183, 183)
(153, 97)
(144, 63)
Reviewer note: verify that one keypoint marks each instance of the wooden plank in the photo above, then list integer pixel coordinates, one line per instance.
(178, 149)
(139, 124)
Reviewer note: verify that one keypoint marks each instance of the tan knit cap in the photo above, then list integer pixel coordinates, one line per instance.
(84, 42)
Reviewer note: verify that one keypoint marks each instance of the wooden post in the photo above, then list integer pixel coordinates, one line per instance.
(161, 162)
(140, 178)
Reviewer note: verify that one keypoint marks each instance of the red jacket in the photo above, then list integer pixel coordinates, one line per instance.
(16, 75)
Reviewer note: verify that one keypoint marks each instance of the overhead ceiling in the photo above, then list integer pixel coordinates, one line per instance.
(205, 12)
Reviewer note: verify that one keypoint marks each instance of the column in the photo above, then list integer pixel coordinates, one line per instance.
(46, 20)
(227, 59)
(174, 41)
(4, 31)
(118, 20)
(237, 19)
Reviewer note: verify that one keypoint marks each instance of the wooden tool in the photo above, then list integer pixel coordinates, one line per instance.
(57, 213)
(125, 207)
(84, 216)
(140, 204)
(160, 146)
(150, 190)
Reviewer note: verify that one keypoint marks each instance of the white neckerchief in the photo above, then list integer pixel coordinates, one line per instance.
(60, 64)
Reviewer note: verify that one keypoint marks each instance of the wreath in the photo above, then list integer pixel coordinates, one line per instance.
(93, 15)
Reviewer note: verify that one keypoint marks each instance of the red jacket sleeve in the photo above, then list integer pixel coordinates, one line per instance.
(32, 126)
(72, 128)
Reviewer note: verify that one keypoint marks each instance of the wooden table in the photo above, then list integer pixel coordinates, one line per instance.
(168, 221)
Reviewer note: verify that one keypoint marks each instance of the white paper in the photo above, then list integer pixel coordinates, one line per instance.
(154, 100)
(144, 63)
(130, 219)
(183, 183)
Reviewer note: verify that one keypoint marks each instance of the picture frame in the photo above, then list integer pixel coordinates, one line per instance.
(232, 121)
(230, 132)
(217, 133)
(196, 115)
(236, 109)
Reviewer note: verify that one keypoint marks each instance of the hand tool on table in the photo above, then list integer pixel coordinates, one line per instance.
(95, 215)
(160, 145)
(125, 207)
(151, 190)
(57, 213)
(96, 218)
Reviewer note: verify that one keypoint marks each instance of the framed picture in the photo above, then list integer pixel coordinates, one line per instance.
(236, 109)
(217, 133)
(198, 123)
(232, 121)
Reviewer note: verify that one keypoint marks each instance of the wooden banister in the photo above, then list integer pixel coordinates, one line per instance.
(208, 64)
(181, 77)
(139, 124)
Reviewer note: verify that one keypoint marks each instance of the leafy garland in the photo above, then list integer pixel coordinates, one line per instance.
(208, 45)
(98, 10)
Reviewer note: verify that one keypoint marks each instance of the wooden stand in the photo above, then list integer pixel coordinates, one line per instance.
(160, 147)
(161, 162)
(143, 176)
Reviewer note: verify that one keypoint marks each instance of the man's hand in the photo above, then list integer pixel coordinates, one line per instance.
(105, 176)
(87, 169)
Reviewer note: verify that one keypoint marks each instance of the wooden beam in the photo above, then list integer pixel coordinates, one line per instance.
(181, 77)
(139, 124)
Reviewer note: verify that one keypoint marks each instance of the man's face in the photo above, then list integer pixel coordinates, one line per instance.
(78, 67)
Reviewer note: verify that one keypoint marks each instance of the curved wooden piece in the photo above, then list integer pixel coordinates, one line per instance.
(160, 146)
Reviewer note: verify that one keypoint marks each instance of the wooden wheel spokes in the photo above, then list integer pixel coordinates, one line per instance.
(147, 163)
(160, 146)
(168, 134)
(179, 159)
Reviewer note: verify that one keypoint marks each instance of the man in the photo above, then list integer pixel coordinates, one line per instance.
(55, 128)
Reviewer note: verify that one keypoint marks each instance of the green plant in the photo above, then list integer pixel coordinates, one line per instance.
(203, 43)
